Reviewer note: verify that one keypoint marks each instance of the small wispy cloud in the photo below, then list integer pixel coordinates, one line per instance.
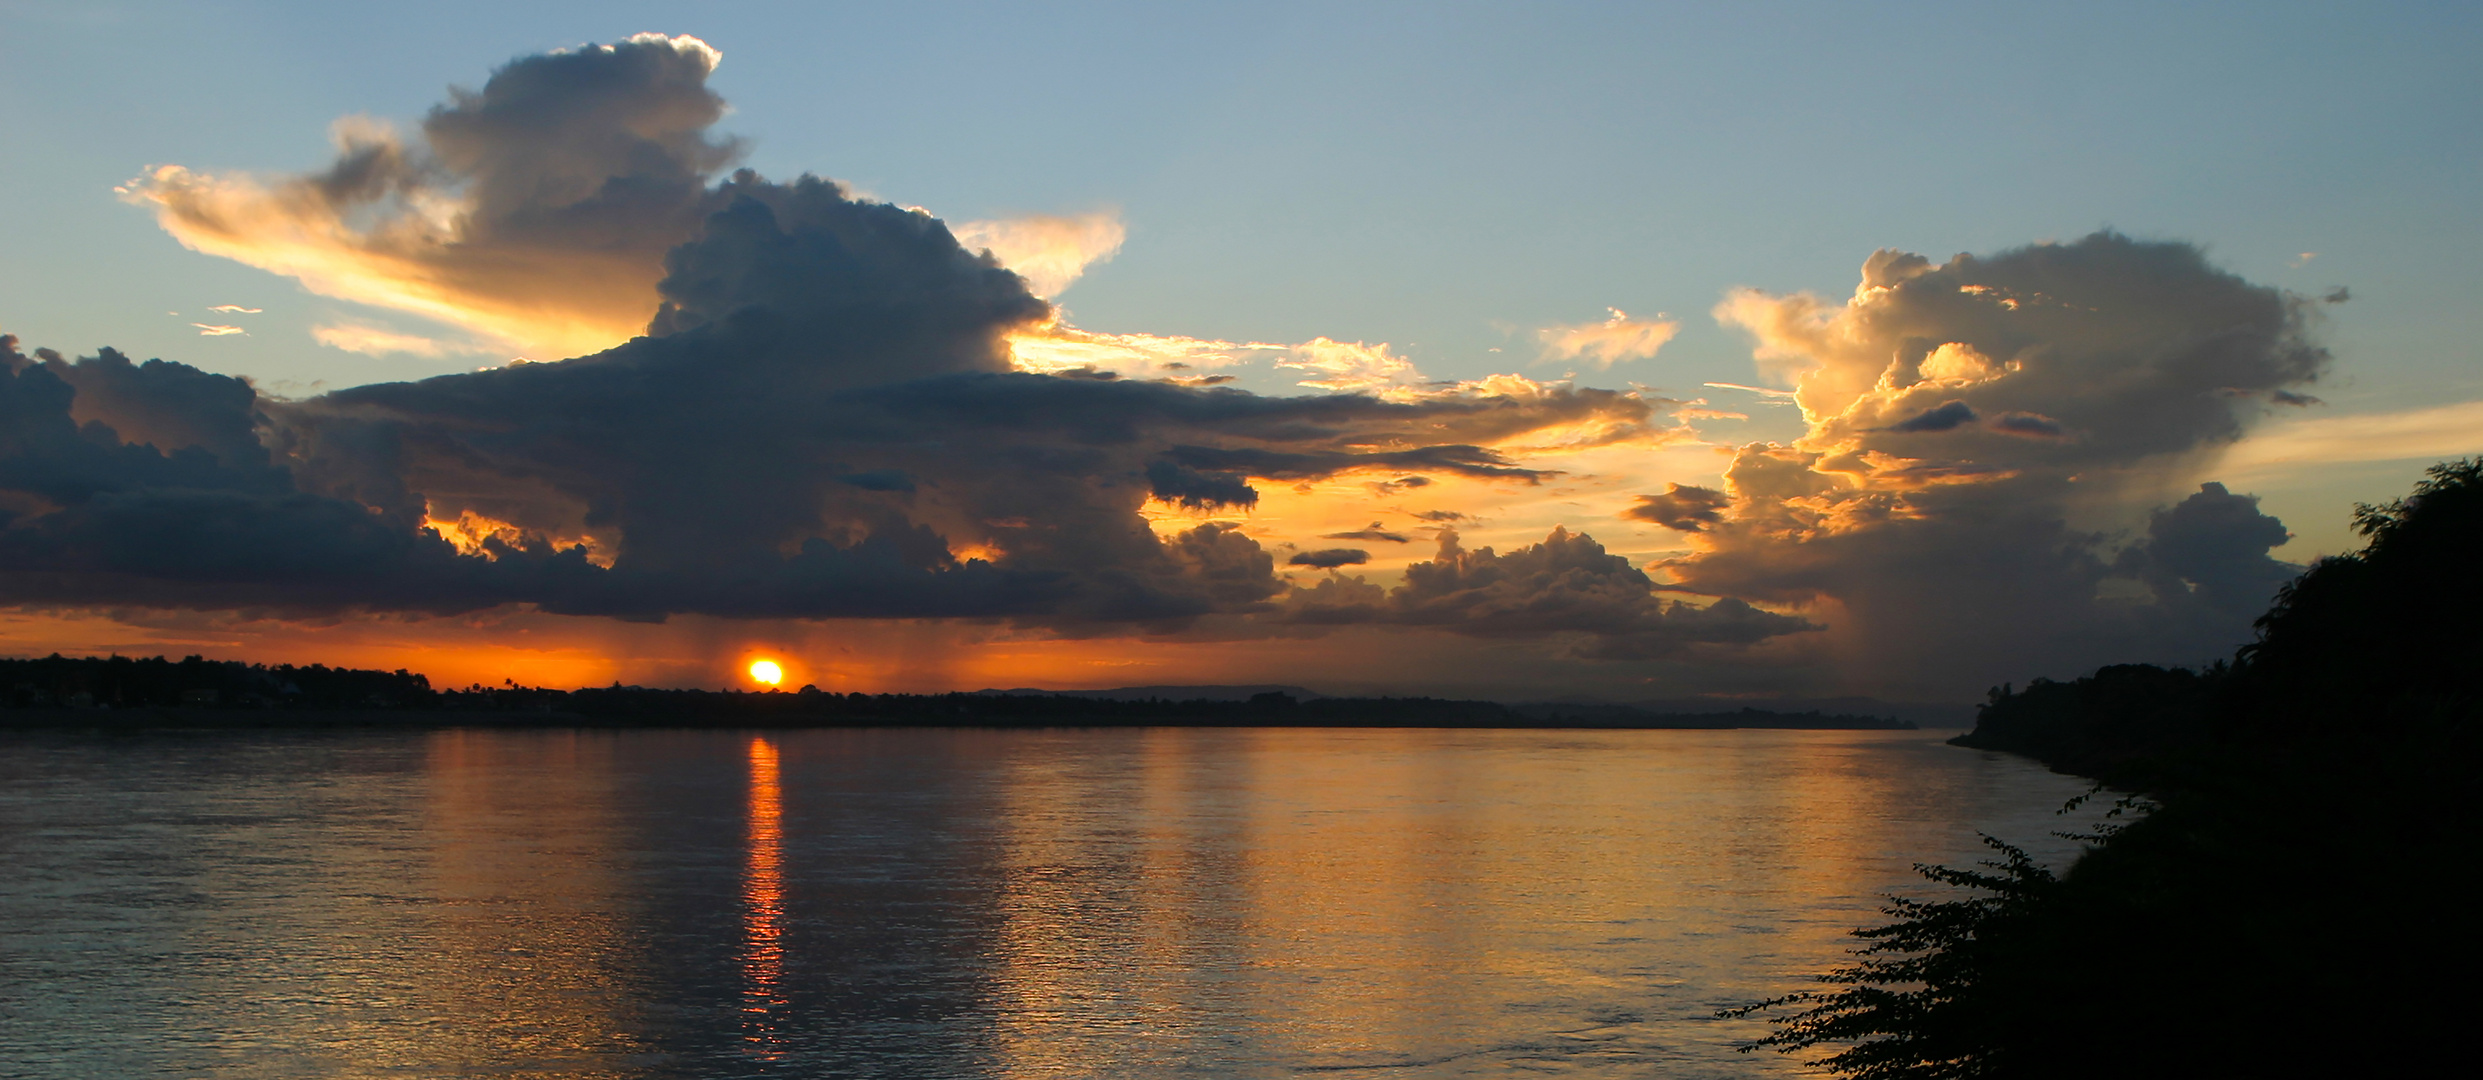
(214, 330)
(1773, 397)
(1608, 342)
(2293, 445)
(1054, 348)
(1050, 252)
(235, 309)
(1352, 367)
(374, 341)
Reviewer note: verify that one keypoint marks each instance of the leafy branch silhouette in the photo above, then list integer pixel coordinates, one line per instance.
(1909, 1006)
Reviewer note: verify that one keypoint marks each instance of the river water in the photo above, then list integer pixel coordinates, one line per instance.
(955, 903)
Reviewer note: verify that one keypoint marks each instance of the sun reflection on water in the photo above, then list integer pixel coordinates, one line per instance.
(763, 906)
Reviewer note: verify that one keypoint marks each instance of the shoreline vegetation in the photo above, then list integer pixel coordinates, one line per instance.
(2288, 890)
(121, 693)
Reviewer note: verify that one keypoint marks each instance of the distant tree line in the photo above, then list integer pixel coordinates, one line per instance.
(196, 691)
(2295, 893)
(120, 682)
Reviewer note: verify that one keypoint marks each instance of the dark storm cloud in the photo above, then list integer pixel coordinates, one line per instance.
(800, 281)
(2105, 368)
(48, 456)
(1371, 532)
(1568, 586)
(880, 480)
(157, 404)
(2212, 547)
(820, 419)
(88, 518)
(2031, 425)
(1946, 417)
(1330, 558)
(1311, 465)
(1682, 507)
(1185, 486)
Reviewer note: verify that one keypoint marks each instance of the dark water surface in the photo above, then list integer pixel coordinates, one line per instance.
(1120, 903)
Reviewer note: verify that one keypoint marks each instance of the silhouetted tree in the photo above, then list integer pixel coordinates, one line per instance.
(2298, 899)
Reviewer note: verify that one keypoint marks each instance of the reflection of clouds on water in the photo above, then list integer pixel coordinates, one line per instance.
(1433, 904)
(995, 904)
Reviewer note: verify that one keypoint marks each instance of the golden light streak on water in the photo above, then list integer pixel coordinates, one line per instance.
(521, 914)
(763, 906)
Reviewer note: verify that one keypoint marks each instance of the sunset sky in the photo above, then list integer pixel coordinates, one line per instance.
(1612, 351)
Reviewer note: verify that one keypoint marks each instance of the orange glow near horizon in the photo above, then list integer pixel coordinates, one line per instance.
(763, 905)
(876, 656)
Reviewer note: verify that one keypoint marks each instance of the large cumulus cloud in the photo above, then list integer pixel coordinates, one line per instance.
(817, 415)
(1979, 431)
(788, 401)
(821, 421)
(533, 213)
(206, 519)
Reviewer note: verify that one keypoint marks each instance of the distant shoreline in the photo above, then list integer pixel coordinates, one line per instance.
(125, 693)
(1178, 714)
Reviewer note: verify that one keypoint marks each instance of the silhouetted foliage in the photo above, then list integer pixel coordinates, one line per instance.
(1910, 1007)
(194, 682)
(2397, 622)
(2297, 898)
(2111, 724)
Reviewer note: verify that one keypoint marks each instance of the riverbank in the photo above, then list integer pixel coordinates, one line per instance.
(2291, 891)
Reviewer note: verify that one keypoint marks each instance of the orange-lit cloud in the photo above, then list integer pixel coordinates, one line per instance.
(2428, 434)
(480, 536)
(1352, 367)
(209, 330)
(532, 214)
(839, 434)
(1603, 344)
(1979, 431)
(1050, 252)
(1767, 395)
(1053, 347)
(373, 341)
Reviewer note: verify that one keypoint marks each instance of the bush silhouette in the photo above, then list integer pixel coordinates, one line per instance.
(2297, 902)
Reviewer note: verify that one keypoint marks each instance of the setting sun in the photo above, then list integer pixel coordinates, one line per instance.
(766, 671)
